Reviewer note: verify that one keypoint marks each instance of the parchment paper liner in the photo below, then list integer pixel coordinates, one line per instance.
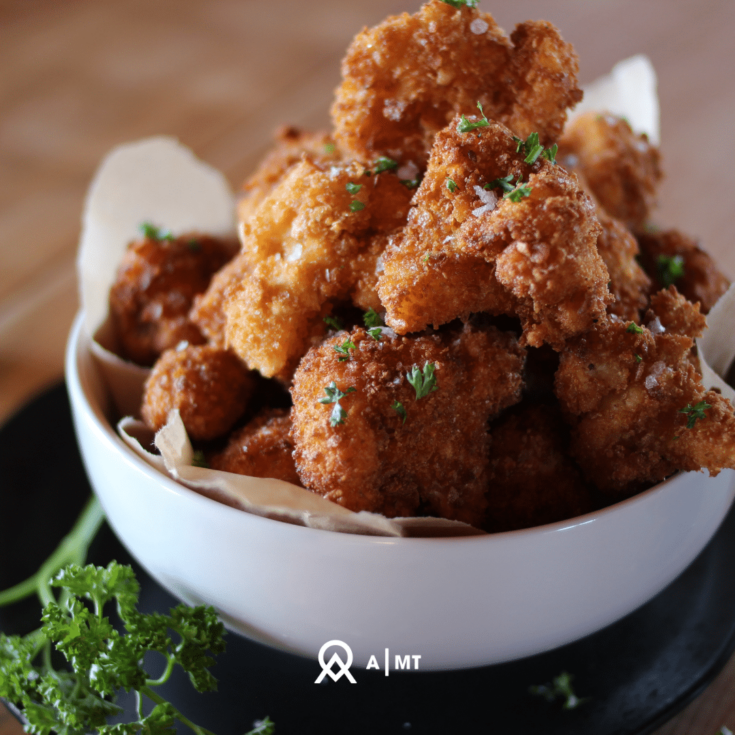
(160, 181)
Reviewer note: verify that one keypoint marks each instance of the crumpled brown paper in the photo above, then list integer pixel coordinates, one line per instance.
(160, 181)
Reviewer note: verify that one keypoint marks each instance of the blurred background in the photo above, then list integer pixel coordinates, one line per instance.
(78, 77)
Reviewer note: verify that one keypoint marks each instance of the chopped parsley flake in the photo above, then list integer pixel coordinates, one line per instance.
(533, 149)
(461, 3)
(154, 233)
(426, 257)
(353, 188)
(356, 206)
(560, 686)
(670, 268)
(400, 410)
(451, 185)
(633, 328)
(376, 333)
(385, 164)
(550, 153)
(199, 460)
(334, 394)
(329, 147)
(423, 382)
(411, 183)
(638, 358)
(338, 416)
(333, 322)
(695, 413)
(371, 318)
(504, 183)
(344, 349)
(465, 126)
(520, 192)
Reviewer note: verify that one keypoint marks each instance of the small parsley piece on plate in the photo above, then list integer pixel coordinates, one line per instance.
(695, 413)
(532, 148)
(400, 410)
(451, 185)
(423, 382)
(520, 192)
(670, 269)
(465, 126)
(329, 147)
(385, 164)
(371, 318)
(633, 328)
(550, 153)
(333, 323)
(560, 686)
(426, 257)
(461, 3)
(356, 206)
(353, 188)
(154, 233)
(638, 358)
(344, 349)
(504, 183)
(199, 460)
(376, 333)
(338, 416)
(411, 183)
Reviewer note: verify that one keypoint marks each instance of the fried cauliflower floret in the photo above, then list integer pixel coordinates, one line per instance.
(262, 448)
(313, 242)
(291, 144)
(672, 257)
(209, 387)
(629, 283)
(532, 479)
(156, 283)
(405, 79)
(622, 169)
(380, 447)
(467, 249)
(637, 406)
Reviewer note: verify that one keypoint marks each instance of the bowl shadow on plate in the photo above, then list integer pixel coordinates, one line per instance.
(635, 673)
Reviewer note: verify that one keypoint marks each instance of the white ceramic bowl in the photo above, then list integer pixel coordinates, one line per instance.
(455, 602)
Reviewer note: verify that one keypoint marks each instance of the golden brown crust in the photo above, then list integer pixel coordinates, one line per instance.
(436, 462)
(443, 61)
(701, 281)
(261, 448)
(470, 250)
(156, 283)
(622, 169)
(210, 388)
(627, 394)
(532, 479)
(310, 247)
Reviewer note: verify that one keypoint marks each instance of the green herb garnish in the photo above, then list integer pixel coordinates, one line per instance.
(199, 460)
(411, 183)
(154, 233)
(520, 192)
(356, 206)
(344, 349)
(465, 126)
(329, 147)
(371, 318)
(633, 328)
(533, 149)
(638, 358)
(426, 258)
(560, 686)
(695, 413)
(461, 3)
(670, 268)
(194, 245)
(423, 381)
(550, 153)
(333, 323)
(376, 333)
(400, 410)
(451, 185)
(334, 395)
(385, 164)
(504, 183)
(353, 188)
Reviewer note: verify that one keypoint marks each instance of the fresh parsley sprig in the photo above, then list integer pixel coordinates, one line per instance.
(670, 269)
(423, 381)
(400, 410)
(384, 164)
(503, 183)
(695, 413)
(633, 328)
(451, 185)
(344, 349)
(335, 395)
(152, 232)
(465, 126)
(559, 687)
(461, 3)
(533, 149)
(373, 323)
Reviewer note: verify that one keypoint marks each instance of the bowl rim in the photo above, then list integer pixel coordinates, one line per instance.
(78, 385)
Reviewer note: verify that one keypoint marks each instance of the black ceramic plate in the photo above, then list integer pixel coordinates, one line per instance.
(636, 673)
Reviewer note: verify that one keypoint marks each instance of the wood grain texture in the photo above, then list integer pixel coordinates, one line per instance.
(80, 76)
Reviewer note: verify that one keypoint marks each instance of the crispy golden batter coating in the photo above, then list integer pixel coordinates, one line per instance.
(433, 463)
(697, 276)
(406, 78)
(467, 249)
(312, 243)
(629, 283)
(262, 448)
(156, 282)
(622, 169)
(637, 421)
(291, 144)
(532, 479)
(210, 387)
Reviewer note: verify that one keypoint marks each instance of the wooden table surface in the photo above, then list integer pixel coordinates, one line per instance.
(78, 77)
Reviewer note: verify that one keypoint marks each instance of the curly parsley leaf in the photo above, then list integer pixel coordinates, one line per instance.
(353, 188)
(670, 269)
(356, 206)
(465, 126)
(334, 394)
(423, 381)
(376, 333)
(371, 318)
(400, 410)
(385, 164)
(344, 349)
(560, 687)
(633, 328)
(695, 413)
